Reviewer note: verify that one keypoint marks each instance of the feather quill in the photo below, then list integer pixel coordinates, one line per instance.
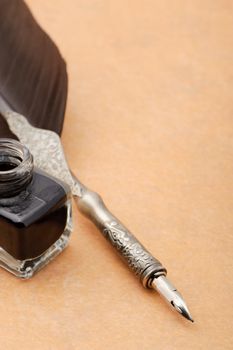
(33, 77)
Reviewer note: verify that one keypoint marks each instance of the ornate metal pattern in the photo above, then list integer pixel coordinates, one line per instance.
(136, 256)
(45, 146)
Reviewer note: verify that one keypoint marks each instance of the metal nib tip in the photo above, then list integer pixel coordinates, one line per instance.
(179, 304)
(170, 293)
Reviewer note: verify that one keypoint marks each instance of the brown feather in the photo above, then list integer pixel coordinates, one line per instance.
(33, 78)
(4, 130)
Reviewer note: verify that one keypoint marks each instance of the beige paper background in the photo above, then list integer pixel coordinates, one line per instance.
(149, 126)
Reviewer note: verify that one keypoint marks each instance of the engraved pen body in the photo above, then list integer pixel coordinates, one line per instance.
(135, 255)
(151, 272)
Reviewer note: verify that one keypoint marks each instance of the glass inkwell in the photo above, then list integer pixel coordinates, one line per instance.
(35, 212)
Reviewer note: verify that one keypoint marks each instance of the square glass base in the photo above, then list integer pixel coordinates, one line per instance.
(27, 268)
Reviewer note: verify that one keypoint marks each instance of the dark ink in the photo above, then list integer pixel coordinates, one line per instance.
(35, 212)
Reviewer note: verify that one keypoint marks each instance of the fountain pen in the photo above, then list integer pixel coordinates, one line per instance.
(151, 272)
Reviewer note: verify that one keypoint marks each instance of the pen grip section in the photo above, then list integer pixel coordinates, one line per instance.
(134, 254)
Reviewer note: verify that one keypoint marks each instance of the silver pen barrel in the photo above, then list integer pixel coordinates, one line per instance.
(151, 272)
(131, 250)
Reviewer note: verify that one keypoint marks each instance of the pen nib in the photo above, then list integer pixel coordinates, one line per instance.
(179, 304)
(170, 293)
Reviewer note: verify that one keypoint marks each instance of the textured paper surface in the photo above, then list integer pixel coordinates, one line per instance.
(149, 126)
